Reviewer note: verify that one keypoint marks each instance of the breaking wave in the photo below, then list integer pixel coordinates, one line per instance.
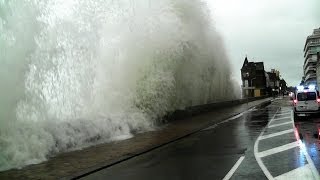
(80, 72)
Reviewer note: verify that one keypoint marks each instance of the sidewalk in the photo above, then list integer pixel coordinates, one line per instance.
(77, 163)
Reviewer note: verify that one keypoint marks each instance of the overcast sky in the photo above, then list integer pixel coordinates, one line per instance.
(272, 31)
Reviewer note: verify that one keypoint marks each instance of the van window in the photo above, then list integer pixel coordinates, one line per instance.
(306, 96)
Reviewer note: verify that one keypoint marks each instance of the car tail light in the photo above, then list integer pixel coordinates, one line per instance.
(318, 100)
(296, 101)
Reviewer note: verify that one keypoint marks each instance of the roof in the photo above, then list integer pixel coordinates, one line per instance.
(259, 65)
(256, 65)
(315, 34)
(245, 62)
(272, 75)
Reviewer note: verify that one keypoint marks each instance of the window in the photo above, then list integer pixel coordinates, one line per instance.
(306, 96)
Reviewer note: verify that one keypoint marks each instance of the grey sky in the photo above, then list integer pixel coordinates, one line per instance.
(272, 31)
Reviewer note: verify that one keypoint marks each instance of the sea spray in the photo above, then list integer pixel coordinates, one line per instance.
(81, 72)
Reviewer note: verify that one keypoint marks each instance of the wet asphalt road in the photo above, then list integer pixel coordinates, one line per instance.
(257, 144)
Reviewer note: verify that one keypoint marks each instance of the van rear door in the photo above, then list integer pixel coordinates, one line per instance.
(307, 101)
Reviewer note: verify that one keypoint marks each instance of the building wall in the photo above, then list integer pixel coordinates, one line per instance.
(318, 70)
(312, 46)
(318, 75)
(257, 92)
(253, 79)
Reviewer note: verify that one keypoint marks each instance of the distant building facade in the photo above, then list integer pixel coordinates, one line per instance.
(274, 81)
(283, 86)
(253, 79)
(310, 67)
(318, 69)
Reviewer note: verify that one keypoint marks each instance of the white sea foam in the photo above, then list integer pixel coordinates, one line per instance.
(80, 72)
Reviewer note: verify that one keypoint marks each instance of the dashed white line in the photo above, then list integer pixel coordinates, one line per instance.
(276, 134)
(278, 149)
(280, 124)
(234, 168)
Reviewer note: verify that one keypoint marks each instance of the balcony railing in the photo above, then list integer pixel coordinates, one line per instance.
(310, 69)
(313, 36)
(309, 72)
(307, 53)
(310, 76)
(311, 44)
(309, 60)
(309, 39)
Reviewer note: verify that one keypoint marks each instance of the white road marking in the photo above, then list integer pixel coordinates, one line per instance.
(285, 110)
(225, 121)
(234, 117)
(275, 134)
(306, 172)
(280, 124)
(276, 119)
(258, 121)
(278, 149)
(303, 172)
(234, 168)
(284, 113)
(258, 159)
(315, 172)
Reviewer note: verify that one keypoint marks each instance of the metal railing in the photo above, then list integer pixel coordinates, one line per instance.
(310, 76)
(310, 68)
(309, 44)
(307, 53)
(309, 60)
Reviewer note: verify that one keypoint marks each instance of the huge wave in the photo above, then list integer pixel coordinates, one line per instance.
(74, 73)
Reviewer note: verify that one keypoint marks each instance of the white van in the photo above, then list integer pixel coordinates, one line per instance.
(306, 101)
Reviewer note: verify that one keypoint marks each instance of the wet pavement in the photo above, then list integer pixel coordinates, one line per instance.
(263, 143)
(308, 130)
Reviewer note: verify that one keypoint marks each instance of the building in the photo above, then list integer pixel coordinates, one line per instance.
(311, 47)
(253, 79)
(283, 88)
(274, 82)
(318, 69)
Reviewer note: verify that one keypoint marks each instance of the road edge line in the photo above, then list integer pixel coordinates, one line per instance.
(234, 168)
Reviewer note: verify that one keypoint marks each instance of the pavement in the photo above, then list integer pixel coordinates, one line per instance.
(93, 161)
